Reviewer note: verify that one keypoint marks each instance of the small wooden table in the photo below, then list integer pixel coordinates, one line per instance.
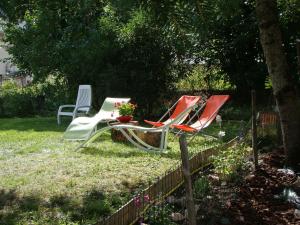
(117, 135)
(151, 138)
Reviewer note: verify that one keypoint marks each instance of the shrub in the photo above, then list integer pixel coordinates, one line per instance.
(230, 160)
(35, 99)
(234, 112)
(204, 78)
(160, 214)
(201, 187)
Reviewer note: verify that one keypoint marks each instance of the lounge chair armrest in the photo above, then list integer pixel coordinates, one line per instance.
(81, 107)
(65, 106)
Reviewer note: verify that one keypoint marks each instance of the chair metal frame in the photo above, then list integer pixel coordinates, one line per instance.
(171, 109)
(135, 140)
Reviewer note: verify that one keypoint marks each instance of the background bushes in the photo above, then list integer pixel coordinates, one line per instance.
(36, 99)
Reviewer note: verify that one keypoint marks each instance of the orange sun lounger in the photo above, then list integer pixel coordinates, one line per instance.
(183, 103)
(212, 107)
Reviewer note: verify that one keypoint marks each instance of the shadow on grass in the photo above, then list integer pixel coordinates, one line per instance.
(135, 152)
(60, 209)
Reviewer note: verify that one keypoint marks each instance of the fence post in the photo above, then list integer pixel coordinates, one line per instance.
(254, 129)
(187, 180)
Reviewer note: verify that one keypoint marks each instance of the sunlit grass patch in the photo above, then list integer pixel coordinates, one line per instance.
(44, 180)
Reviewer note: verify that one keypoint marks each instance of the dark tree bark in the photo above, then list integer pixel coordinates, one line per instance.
(186, 170)
(284, 87)
(298, 55)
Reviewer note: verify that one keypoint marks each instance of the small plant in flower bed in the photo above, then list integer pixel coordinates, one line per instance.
(229, 161)
(160, 214)
(126, 109)
(201, 187)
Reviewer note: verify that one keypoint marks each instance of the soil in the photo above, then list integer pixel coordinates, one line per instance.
(256, 199)
(251, 198)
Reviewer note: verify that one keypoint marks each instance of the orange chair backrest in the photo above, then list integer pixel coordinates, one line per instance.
(213, 104)
(183, 103)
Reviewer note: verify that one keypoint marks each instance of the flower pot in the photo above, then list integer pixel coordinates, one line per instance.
(124, 119)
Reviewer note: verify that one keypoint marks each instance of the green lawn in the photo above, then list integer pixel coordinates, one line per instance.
(43, 180)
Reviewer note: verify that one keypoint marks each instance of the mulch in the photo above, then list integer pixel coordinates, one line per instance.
(257, 199)
(254, 198)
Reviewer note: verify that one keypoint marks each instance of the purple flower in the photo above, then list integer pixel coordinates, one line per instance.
(146, 198)
(137, 201)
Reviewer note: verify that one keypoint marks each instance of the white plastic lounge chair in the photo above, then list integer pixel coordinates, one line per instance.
(81, 128)
(83, 103)
(129, 131)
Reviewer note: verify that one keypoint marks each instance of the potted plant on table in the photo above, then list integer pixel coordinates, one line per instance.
(126, 111)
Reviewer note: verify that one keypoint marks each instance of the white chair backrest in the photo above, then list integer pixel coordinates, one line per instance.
(84, 96)
(109, 108)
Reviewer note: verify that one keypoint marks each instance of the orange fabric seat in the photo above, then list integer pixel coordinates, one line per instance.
(212, 107)
(156, 124)
(185, 127)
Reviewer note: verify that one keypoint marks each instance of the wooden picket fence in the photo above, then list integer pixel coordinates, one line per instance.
(163, 187)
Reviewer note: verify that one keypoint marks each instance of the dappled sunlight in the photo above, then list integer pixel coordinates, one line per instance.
(16, 208)
(41, 162)
(44, 164)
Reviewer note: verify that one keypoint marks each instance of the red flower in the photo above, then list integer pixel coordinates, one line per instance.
(146, 198)
(137, 201)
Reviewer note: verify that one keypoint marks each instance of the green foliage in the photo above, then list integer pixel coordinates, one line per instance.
(203, 78)
(201, 187)
(126, 109)
(141, 48)
(232, 43)
(268, 83)
(230, 160)
(160, 214)
(224, 34)
(235, 112)
(115, 47)
(35, 99)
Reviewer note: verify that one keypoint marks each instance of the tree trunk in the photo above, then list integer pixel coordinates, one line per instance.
(284, 87)
(298, 55)
(186, 170)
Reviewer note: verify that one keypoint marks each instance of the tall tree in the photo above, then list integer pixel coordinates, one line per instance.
(284, 84)
(116, 46)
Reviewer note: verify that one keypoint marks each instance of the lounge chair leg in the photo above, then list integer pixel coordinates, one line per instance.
(166, 139)
(58, 120)
(163, 141)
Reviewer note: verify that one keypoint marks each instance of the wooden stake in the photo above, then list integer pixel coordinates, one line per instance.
(187, 180)
(254, 129)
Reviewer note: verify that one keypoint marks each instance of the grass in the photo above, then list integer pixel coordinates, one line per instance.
(43, 180)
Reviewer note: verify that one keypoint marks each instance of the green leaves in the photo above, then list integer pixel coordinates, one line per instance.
(229, 160)
(120, 47)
